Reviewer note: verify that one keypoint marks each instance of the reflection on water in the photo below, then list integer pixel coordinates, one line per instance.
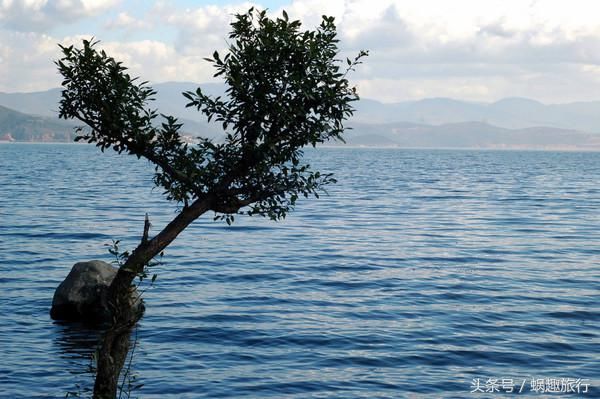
(75, 340)
(76, 345)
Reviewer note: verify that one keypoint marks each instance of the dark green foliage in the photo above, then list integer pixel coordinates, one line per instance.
(286, 90)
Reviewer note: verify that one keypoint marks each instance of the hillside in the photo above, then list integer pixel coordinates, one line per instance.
(169, 101)
(509, 113)
(429, 123)
(17, 126)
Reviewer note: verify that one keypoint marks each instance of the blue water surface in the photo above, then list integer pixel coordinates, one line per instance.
(423, 274)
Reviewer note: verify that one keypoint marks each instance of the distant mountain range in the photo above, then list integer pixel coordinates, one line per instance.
(510, 113)
(436, 122)
(469, 135)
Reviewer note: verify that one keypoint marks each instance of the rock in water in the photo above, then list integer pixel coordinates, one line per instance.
(82, 296)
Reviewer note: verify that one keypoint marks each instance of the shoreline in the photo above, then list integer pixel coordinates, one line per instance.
(363, 147)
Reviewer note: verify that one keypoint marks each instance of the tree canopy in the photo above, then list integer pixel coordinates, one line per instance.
(286, 89)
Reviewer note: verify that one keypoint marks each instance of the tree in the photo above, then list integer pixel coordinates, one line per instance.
(286, 89)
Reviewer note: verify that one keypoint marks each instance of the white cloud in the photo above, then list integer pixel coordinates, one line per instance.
(26, 63)
(310, 11)
(127, 22)
(472, 49)
(480, 50)
(201, 30)
(40, 15)
(153, 60)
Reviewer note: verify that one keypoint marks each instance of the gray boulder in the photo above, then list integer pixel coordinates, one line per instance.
(82, 296)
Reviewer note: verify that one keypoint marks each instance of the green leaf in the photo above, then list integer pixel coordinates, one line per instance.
(285, 90)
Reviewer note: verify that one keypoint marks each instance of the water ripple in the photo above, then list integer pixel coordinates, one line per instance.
(421, 271)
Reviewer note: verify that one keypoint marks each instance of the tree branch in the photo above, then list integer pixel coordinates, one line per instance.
(148, 154)
(146, 229)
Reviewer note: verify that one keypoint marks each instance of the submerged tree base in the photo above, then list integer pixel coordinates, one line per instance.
(113, 349)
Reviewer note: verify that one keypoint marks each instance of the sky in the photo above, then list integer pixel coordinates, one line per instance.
(473, 50)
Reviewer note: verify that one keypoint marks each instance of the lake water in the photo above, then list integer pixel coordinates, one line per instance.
(423, 274)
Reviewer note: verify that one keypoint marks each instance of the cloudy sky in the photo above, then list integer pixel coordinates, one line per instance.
(478, 50)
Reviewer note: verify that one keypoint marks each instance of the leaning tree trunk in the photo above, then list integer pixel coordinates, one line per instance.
(116, 339)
